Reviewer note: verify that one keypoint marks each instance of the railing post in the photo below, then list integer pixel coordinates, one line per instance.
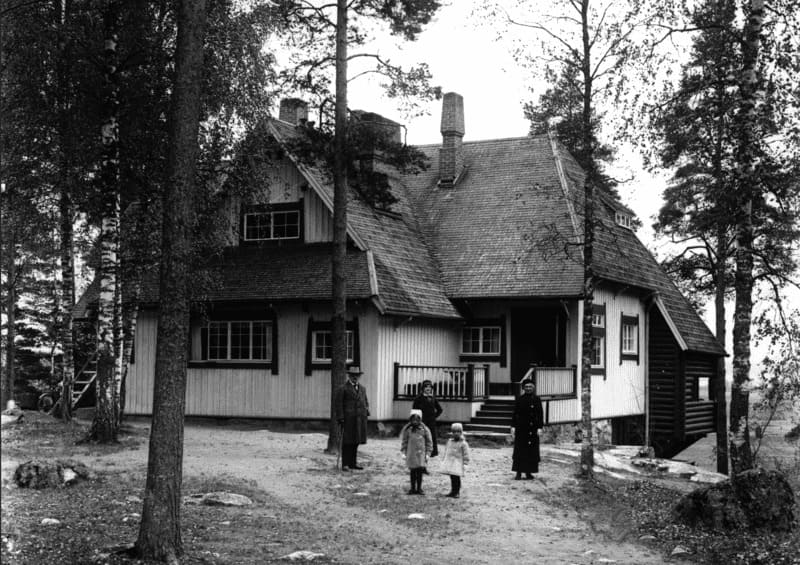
(575, 381)
(396, 378)
(470, 382)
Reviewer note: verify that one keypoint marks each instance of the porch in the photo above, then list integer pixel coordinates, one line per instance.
(556, 386)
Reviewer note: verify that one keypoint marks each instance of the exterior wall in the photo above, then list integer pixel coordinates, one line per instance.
(414, 342)
(247, 392)
(285, 184)
(622, 391)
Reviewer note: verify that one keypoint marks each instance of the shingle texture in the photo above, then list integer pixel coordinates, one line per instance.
(510, 227)
(291, 272)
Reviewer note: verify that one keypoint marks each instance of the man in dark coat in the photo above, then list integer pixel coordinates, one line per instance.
(352, 408)
(431, 409)
(527, 422)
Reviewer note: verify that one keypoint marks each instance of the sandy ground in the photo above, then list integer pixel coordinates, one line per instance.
(363, 516)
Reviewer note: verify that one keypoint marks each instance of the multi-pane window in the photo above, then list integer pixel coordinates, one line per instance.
(322, 346)
(598, 337)
(276, 224)
(240, 341)
(481, 340)
(624, 220)
(598, 348)
(629, 337)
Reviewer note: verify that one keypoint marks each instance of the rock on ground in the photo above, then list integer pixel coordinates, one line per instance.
(754, 499)
(41, 474)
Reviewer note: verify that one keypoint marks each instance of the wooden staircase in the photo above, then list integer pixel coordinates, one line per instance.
(84, 379)
(494, 416)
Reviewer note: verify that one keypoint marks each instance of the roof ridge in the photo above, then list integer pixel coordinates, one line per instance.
(476, 141)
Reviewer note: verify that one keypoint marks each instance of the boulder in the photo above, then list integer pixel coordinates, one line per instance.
(41, 474)
(754, 499)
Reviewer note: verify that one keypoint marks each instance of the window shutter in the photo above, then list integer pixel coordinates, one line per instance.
(308, 346)
(203, 343)
(274, 359)
(353, 326)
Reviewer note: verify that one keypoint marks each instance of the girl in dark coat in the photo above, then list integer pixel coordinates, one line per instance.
(431, 409)
(527, 422)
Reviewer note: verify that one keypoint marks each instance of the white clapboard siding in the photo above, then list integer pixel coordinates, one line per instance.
(410, 342)
(255, 392)
(622, 392)
(317, 218)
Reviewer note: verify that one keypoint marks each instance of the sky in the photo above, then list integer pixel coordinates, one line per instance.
(465, 56)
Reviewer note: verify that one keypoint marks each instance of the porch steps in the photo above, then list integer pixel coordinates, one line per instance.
(494, 416)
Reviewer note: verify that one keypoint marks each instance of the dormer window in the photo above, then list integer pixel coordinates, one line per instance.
(274, 223)
(624, 219)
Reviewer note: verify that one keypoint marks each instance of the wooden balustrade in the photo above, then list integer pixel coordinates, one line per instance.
(449, 383)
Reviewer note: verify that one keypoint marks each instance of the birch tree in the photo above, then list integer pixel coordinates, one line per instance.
(105, 424)
(590, 44)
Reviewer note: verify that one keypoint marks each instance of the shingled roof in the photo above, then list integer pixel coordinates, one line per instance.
(510, 227)
(268, 273)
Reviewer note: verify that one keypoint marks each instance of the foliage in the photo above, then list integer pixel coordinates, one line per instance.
(696, 126)
(310, 40)
(560, 108)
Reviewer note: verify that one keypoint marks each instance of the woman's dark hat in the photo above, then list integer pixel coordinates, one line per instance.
(527, 382)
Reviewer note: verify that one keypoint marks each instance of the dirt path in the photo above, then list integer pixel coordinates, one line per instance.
(363, 516)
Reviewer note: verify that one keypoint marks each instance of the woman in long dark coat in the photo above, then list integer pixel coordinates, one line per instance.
(527, 422)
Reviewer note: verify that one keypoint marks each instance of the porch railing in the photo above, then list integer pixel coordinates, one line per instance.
(449, 383)
(554, 383)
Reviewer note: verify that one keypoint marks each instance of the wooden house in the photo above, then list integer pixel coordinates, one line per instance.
(472, 279)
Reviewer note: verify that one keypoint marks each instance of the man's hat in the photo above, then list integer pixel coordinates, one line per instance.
(354, 370)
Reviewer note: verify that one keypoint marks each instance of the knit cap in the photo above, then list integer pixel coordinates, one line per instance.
(415, 412)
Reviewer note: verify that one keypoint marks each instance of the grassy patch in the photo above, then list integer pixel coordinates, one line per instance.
(628, 510)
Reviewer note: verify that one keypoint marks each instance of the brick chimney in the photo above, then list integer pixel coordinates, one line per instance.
(451, 155)
(293, 111)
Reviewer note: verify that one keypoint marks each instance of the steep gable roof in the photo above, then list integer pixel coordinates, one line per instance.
(408, 281)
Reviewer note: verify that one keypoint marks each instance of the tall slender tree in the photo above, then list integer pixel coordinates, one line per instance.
(160, 529)
(588, 44)
(405, 18)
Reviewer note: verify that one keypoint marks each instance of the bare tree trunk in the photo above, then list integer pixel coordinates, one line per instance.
(721, 281)
(130, 315)
(719, 382)
(339, 281)
(160, 529)
(11, 312)
(587, 447)
(747, 180)
(67, 301)
(104, 425)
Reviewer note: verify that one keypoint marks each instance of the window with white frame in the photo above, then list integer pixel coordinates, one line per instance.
(322, 346)
(271, 225)
(598, 352)
(240, 341)
(629, 338)
(625, 220)
(481, 340)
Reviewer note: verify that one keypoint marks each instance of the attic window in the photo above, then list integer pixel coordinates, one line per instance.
(624, 220)
(273, 223)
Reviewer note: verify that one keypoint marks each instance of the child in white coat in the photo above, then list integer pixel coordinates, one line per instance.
(416, 445)
(456, 456)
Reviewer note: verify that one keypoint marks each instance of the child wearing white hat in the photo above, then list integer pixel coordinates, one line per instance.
(416, 444)
(456, 456)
